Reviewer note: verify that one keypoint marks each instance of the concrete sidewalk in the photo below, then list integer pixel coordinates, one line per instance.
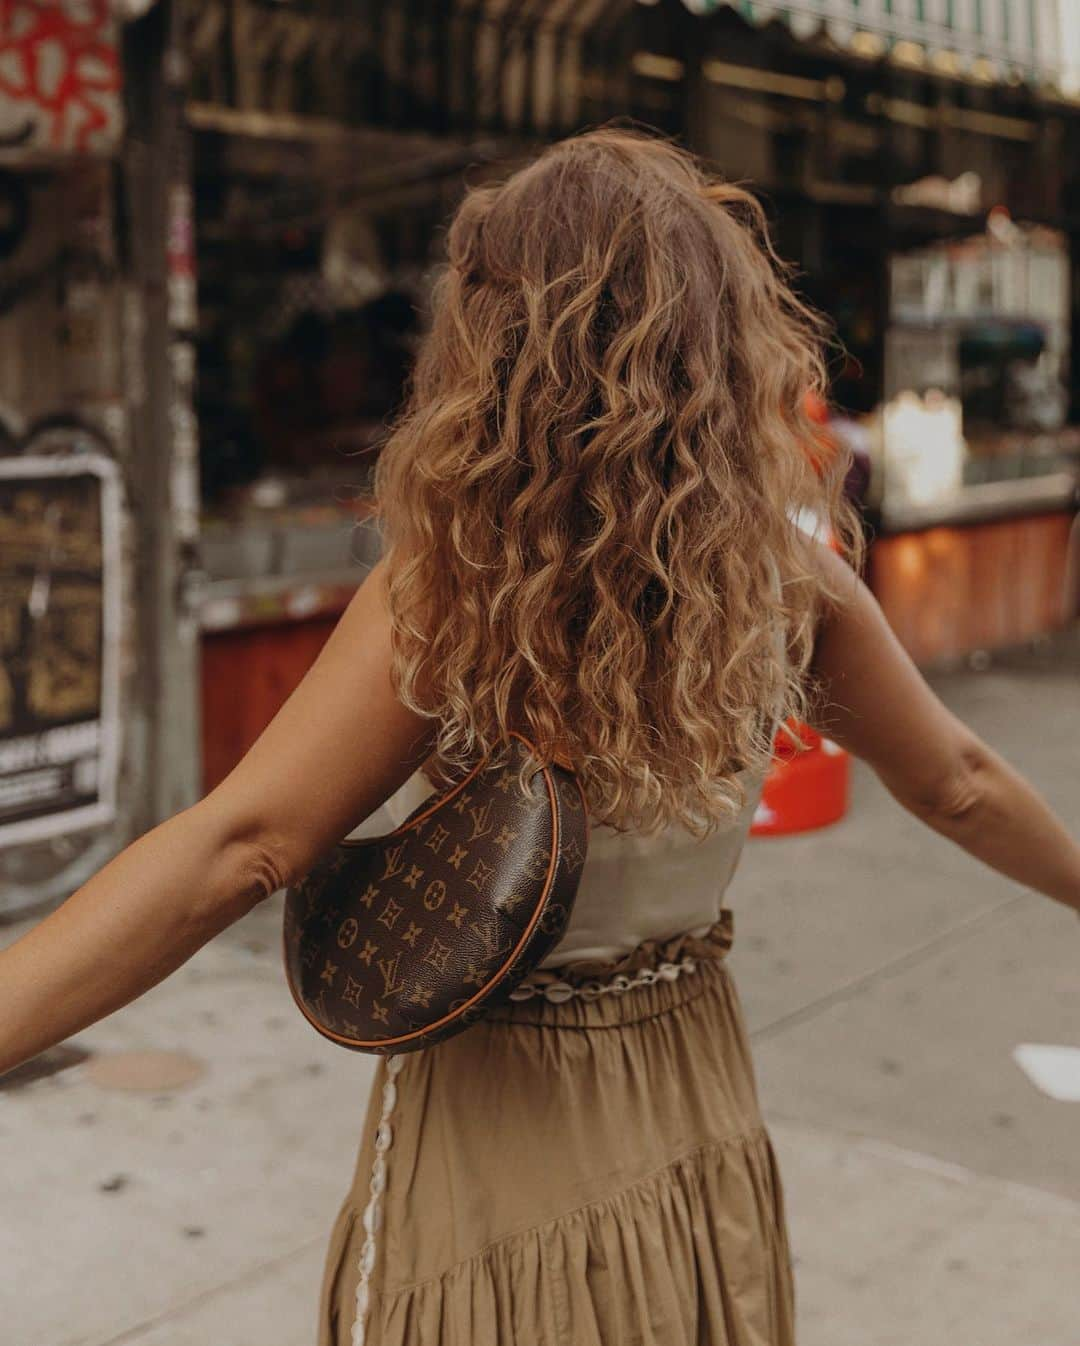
(933, 1192)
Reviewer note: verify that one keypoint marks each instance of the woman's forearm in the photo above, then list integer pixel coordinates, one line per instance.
(142, 915)
(998, 817)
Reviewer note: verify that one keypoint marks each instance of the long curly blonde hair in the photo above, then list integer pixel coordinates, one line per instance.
(587, 500)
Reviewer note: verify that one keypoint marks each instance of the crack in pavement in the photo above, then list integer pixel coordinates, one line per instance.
(956, 934)
(251, 1274)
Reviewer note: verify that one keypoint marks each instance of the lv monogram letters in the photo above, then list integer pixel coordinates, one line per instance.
(392, 984)
(481, 819)
(393, 863)
(492, 935)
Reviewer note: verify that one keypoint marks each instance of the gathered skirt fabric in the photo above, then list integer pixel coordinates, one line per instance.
(584, 1173)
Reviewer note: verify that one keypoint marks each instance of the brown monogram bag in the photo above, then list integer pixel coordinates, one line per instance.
(392, 943)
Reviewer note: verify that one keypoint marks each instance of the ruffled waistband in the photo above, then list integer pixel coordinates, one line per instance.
(713, 943)
(705, 951)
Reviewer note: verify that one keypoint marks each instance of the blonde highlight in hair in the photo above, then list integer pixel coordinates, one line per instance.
(587, 501)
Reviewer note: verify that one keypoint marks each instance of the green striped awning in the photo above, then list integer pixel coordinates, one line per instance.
(986, 39)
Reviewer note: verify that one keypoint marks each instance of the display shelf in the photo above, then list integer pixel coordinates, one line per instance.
(228, 605)
(986, 502)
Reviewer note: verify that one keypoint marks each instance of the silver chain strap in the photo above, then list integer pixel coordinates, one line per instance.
(559, 991)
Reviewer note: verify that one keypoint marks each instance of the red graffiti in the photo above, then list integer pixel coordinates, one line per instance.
(59, 68)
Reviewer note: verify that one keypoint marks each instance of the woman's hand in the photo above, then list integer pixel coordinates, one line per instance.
(339, 746)
(874, 702)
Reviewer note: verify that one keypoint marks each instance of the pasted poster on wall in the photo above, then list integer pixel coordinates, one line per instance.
(60, 520)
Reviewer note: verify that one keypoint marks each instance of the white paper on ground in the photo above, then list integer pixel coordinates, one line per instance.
(1054, 1070)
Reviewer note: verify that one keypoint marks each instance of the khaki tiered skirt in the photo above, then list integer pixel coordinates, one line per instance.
(592, 1172)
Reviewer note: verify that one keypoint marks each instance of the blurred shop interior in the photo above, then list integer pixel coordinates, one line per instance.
(225, 256)
(925, 201)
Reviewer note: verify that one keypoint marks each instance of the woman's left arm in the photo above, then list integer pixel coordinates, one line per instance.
(338, 747)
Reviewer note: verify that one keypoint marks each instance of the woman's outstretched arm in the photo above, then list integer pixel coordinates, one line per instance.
(339, 746)
(874, 702)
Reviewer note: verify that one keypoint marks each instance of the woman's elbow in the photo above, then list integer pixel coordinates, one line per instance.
(262, 872)
(955, 799)
(246, 868)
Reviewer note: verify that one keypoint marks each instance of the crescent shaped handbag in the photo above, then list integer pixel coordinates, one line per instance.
(395, 942)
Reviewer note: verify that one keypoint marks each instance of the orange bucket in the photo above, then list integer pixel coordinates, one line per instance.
(803, 790)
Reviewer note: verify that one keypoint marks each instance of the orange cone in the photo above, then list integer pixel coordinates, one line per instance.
(804, 789)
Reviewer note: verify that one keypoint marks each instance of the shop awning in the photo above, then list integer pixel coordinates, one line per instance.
(454, 68)
(544, 67)
(987, 40)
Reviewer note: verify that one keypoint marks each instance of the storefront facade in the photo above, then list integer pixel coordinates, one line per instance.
(277, 176)
(923, 163)
(99, 513)
(68, 609)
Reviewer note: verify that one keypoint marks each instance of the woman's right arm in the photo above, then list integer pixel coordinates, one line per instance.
(873, 701)
(340, 745)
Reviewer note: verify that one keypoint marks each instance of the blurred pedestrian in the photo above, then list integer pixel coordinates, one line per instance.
(588, 503)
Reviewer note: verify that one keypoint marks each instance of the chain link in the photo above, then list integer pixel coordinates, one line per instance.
(559, 991)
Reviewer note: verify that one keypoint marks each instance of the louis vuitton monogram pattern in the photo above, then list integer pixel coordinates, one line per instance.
(394, 942)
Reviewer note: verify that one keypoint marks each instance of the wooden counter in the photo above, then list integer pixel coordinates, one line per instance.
(956, 588)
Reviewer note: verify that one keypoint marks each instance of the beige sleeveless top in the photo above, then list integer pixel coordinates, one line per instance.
(633, 887)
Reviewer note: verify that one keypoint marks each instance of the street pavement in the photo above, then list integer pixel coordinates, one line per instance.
(933, 1191)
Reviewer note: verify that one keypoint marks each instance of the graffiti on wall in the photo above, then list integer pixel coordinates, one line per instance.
(59, 75)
